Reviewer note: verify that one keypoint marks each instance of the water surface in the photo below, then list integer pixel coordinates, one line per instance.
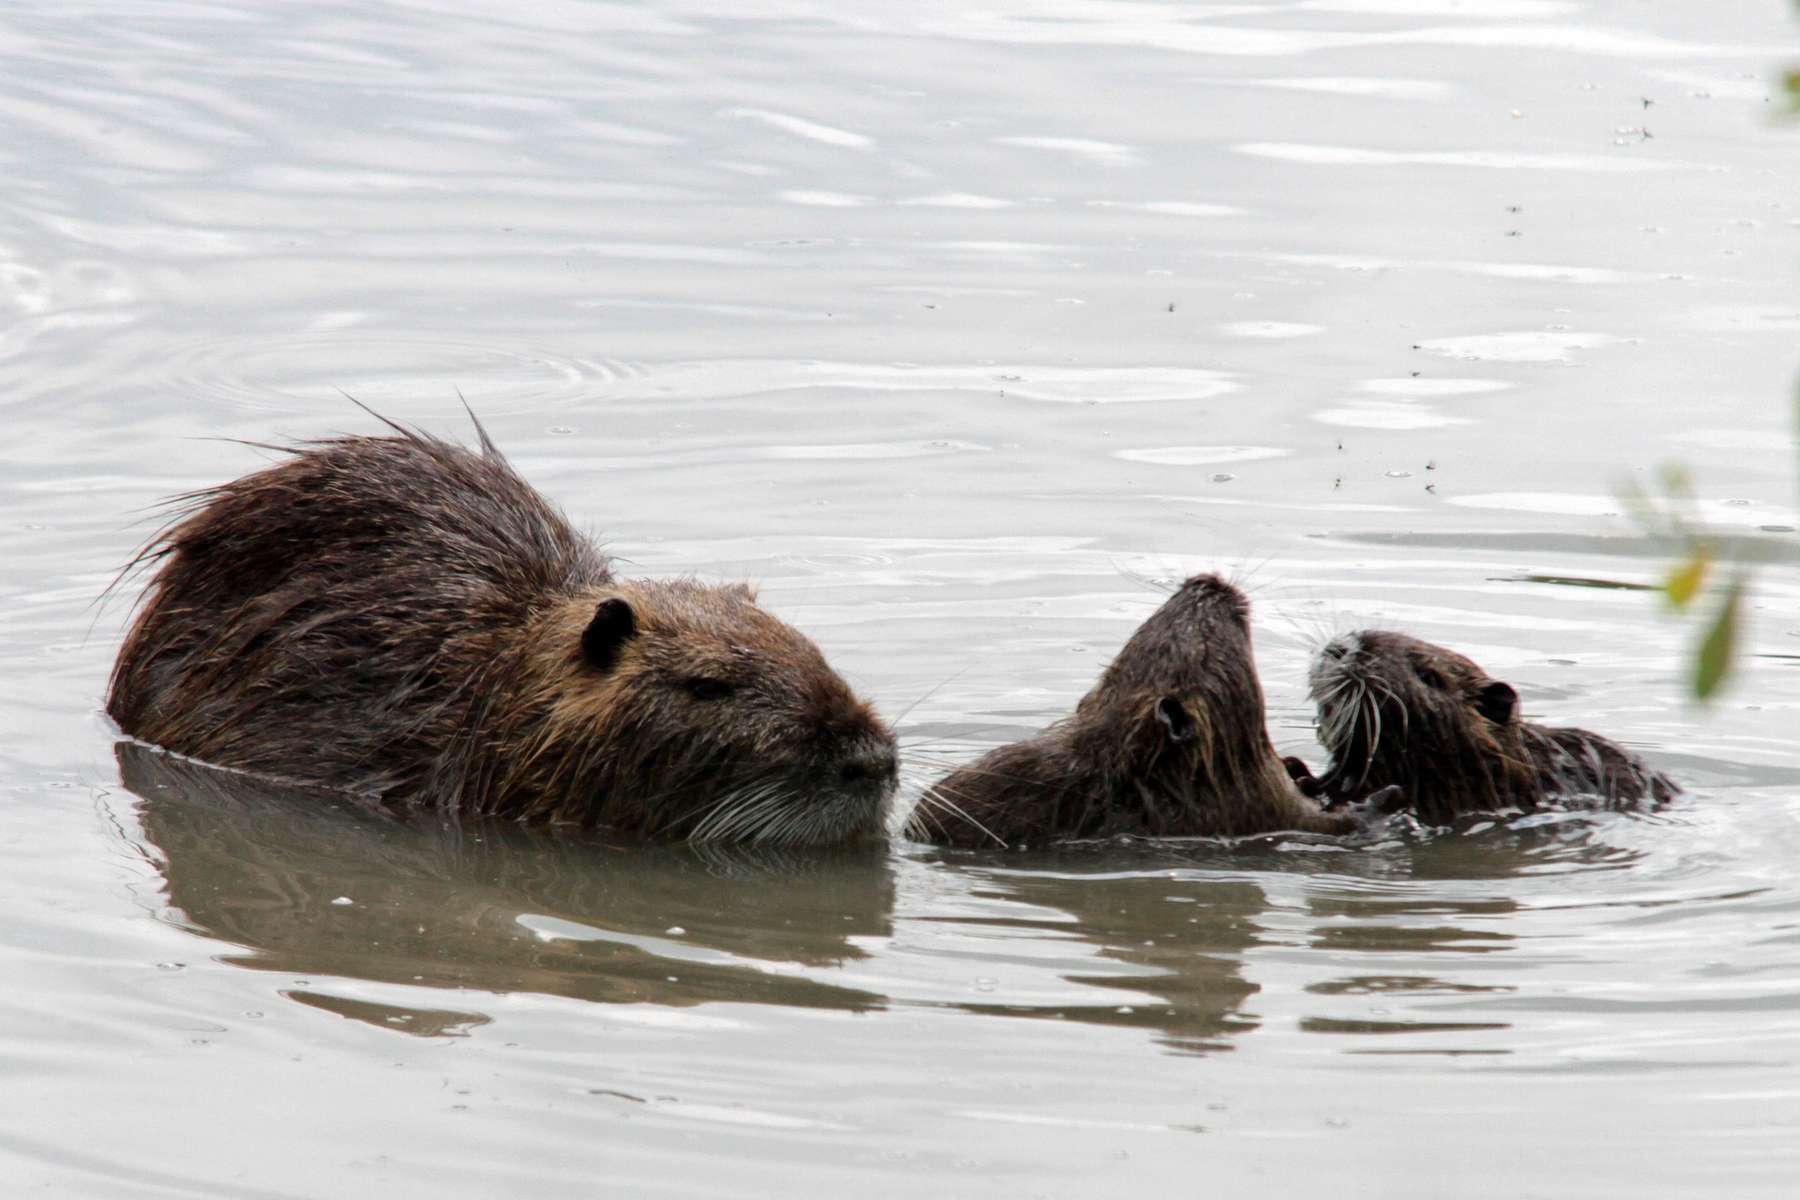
(961, 332)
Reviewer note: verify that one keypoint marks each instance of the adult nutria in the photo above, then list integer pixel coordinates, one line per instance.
(403, 618)
(1395, 710)
(1169, 743)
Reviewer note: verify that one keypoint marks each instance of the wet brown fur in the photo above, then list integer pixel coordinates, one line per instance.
(403, 618)
(1396, 710)
(1170, 743)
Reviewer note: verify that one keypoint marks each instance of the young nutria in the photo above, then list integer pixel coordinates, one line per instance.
(402, 618)
(1169, 743)
(1397, 710)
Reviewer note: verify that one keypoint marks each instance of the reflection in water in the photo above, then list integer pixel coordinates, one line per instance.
(1184, 941)
(1177, 935)
(310, 883)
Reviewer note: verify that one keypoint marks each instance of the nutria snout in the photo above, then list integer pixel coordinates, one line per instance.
(1170, 742)
(403, 618)
(1396, 710)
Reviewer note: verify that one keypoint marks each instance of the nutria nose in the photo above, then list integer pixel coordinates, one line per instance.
(870, 761)
(1206, 583)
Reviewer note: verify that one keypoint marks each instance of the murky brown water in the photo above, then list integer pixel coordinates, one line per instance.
(957, 330)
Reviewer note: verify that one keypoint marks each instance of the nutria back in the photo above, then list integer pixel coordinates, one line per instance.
(403, 618)
(1171, 742)
(1396, 710)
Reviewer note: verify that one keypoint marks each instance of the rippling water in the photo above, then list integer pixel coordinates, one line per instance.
(959, 330)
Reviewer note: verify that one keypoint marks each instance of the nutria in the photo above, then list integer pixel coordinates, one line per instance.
(403, 618)
(1396, 710)
(1169, 743)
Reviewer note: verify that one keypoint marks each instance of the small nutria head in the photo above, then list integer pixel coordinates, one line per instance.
(1394, 709)
(1177, 718)
(685, 710)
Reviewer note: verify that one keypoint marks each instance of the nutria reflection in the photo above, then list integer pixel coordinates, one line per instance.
(312, 883)
(1170, 945)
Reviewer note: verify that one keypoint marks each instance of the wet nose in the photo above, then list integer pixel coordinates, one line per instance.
(1201, 584)
(870, 762)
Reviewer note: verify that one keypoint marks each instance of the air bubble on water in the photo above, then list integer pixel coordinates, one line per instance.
(1223, 477)
(343, 901)
(1399, 474)
(171, 966)
(986, 983)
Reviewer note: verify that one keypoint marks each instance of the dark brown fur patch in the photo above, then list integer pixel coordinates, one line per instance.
(402, 618)
(1396, 710)
(1170, 743)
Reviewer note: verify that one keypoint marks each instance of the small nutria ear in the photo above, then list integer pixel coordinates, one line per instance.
(1497, 702)
(743, 591)
(613, 625)
(1175, 718)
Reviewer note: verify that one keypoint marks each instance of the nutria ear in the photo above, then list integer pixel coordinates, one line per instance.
(613, 625)
(1175, 718)
(1497, 702)
(743, 591)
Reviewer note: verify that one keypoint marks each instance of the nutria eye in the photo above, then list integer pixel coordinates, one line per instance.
(709, 689)
(1429, 677)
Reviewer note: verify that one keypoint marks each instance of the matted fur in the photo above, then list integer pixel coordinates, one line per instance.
(1396, 710)
(402, 618)
(1170, 743)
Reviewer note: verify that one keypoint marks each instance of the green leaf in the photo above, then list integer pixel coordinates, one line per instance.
(1713, 663)
(1676, 481)
(1683, 583)
(1646, 512)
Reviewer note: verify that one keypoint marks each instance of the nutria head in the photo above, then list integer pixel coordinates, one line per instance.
(676, 708)
(1170, 742)
(1179, 711)
(1393, 709)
